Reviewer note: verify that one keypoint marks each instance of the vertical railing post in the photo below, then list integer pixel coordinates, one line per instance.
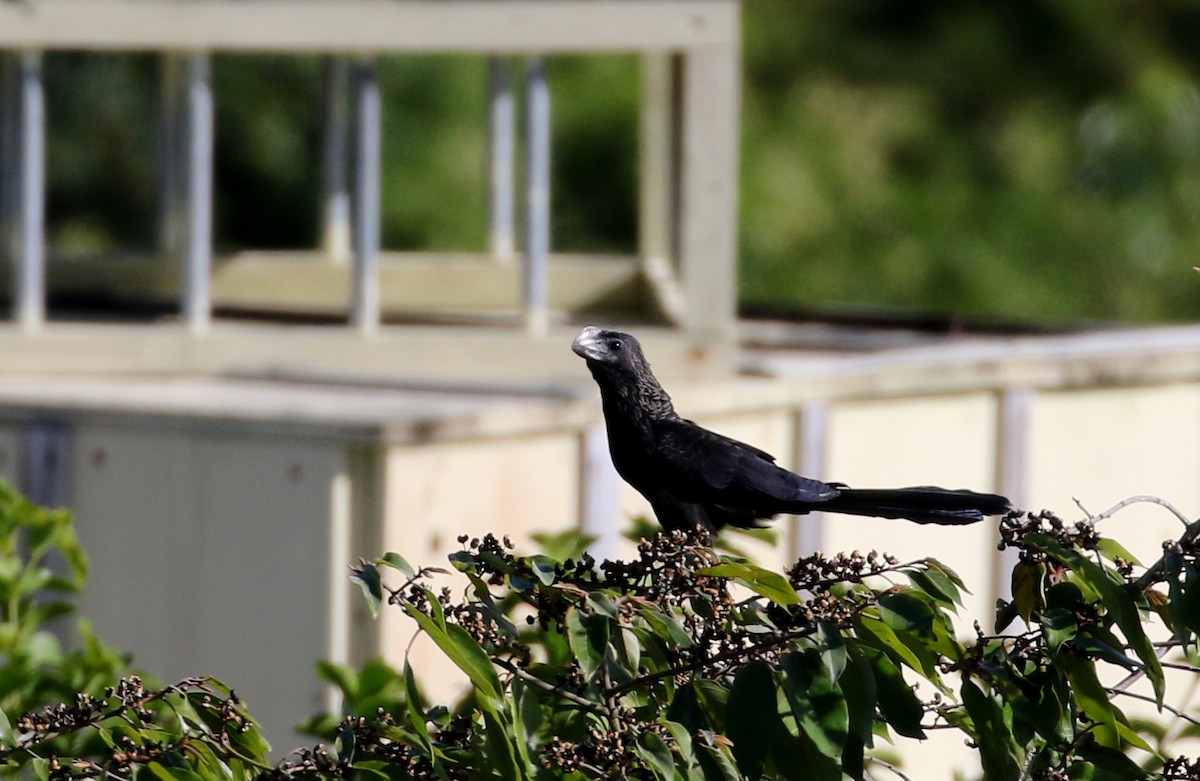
(30, 272)
(502, 237)
(365, 312)
(335, 190)
(810, 452)
(1015, 412)
(658, 186)
(600, 492)
(537, 184)
(9, 157)
(171, 150)
(708, 172)
(656, 157)
(197, 299)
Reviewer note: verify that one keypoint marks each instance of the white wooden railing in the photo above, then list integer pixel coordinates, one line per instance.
(688, 151)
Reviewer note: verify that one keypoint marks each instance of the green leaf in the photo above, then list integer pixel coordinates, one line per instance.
(1059, 626)
(905, 612)
(654, 750)
(367, 577)
(1027, 589)
(936, 585)
(817, 702)
(718, 764)
(832, 648)
(683, 744)
(588, 636)
(340, 675)
(1189, 602)
(525, 715)
(1112, 765)
(412, 700)
(752, 718)
(763, 582)
(898, 704)
(1112, 550)
(666, 627)
(1118, 601)
(1102, 650)
(465, 653)
(6, 732)
(543, 569)
(1092, 699)
(858, 688)
(600, 603)
(903, 647)
(1000, 753)
(569, 544)
(397, 562)
(501, 747)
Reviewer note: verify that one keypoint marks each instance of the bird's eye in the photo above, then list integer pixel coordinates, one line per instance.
(615, 345)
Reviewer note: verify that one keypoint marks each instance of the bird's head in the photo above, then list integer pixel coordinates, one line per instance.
(622, 371)
(611, 349)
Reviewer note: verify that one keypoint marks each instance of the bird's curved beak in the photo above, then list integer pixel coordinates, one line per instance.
(589, 344)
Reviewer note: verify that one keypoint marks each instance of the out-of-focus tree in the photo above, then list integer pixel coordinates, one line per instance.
(1035, 159)
(1032, 159)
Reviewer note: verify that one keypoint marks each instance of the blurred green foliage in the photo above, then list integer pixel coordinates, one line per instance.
(1034, 159)
(1031, 159)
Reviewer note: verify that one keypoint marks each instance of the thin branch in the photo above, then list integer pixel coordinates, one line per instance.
(570, 696)
(735, 653)
(1144, 698)
(1027, 770)
(1191, 668)
(1139, 499)
(889, 766)
(1151, 575)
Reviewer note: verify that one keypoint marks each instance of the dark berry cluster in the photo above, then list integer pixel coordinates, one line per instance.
(818, 572)
(1181, 769)
(1016, 528)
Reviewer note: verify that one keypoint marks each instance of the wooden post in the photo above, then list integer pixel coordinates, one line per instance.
(30, 272)
(170, 150)
(537, 184)
(600, 509)
(197, 299)
(364, 313)
(810, 452)
(658, 190)
(335, 189)
(708, 193)
(502, 233)
(1012, 476)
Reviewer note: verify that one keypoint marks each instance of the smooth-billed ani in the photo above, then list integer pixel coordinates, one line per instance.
(695, 477)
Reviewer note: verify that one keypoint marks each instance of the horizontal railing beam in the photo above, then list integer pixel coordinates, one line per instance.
(356, 26)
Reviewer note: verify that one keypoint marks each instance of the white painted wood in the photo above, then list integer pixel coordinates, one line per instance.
(1012, 461)
(656, 167)
(364, 311)
(708, 207)
(336, 230)
(811, 442)
(537, 197)
(197, 303)
(502, 143)
(30, 287)
(10, 156)
(171, 157)
(355, 26)
(600, 495)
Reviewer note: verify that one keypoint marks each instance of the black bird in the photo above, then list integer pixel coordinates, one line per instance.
(694, 477)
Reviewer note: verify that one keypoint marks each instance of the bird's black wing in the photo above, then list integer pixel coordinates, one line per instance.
(698, 465)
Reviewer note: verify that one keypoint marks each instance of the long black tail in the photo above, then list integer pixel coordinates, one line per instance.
(922, 504)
